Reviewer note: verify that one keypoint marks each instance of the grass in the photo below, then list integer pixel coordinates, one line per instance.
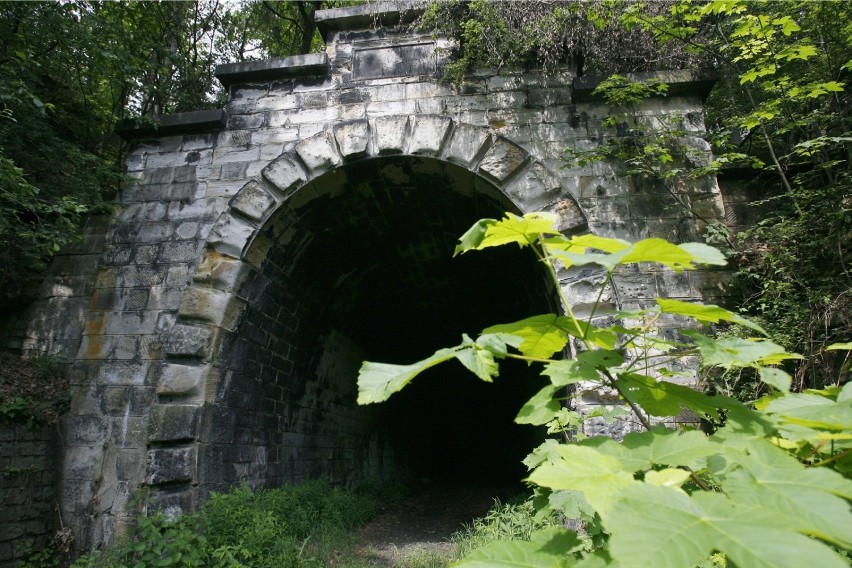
(288, 527)
(308, 525)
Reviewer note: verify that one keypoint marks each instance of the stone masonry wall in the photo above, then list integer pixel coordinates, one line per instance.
(154, 357)
(29, 460)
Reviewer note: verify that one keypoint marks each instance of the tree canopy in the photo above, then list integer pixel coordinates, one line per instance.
(70, 70)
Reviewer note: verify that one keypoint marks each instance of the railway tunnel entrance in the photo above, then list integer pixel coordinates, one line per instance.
(358, 266)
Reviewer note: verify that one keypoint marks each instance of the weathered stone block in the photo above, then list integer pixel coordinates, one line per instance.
(502, 159)
(466, 143)
(230, 235)
(352, 139)
(389, 134)
(169, 465)
(129, 323)
(428, 134)
(188, 341)
(220, 271)
(210, 305)
(318, 153)
(254, 201)
(570, 217)
(173, 422)
(182, 380)
(536, 189)
(285, 173)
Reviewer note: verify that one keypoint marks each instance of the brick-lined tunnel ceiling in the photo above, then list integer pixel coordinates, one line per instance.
(366, 252)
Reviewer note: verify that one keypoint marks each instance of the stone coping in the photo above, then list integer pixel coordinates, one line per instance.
(364, 17)
(194, 122)
(681, 83)
(311, 64)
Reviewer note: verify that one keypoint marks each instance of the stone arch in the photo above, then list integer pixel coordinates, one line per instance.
(212, 307)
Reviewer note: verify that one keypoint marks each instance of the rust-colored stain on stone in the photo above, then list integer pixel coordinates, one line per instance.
(96, 323)
(95, 346)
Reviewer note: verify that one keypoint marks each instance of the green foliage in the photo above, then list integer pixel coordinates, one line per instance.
(69, 71)
(781, 108)
(290, 526)
(515, 520)
(768, 486)
(494, 35)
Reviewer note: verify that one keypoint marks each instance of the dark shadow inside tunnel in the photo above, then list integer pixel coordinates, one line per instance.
(359, 265)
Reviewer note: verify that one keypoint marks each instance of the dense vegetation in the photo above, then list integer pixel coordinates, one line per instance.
(766, 483)
(778, 118)
(304, 525)
(776, 471)
(69, 71)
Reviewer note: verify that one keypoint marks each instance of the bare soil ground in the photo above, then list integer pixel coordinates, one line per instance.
(422, 523)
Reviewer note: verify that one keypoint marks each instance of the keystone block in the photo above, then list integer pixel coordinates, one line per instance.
(352, 139)
(389, 134)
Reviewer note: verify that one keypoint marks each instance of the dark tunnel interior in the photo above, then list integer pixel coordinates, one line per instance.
(367, 252)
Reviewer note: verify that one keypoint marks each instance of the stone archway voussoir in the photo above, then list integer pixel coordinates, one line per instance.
(428, 134)
(502, 160)
(318, 153)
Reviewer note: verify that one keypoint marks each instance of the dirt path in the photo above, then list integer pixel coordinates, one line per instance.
(423, 522)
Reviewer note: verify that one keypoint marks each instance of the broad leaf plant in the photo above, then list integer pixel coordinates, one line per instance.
(760, 485)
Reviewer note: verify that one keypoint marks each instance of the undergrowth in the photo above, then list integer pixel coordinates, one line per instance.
(291, 526)
(517, 519)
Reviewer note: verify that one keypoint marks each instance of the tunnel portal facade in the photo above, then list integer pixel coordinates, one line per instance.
(214, 325)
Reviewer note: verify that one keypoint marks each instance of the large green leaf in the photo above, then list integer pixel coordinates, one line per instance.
(663, 252)
(705, 313)
(523, 231)
(737, 352)
(581, 243)
(836, 417)
(478, 356)
(776, 378)
(569, 371)
(662, 446)
(542, 335)
(378, 381)
(547, 548)
(597, 475)
(667, 446)
(662, 398)
(665, 528)
(541, 408)
(814, 499)
(583, 368)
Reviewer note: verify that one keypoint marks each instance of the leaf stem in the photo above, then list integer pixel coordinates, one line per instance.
(832, 458)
